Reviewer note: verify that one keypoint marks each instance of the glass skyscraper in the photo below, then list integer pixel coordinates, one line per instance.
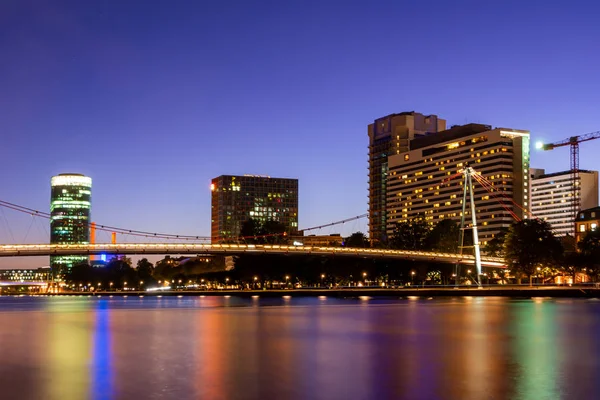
(235, 199)
(70, 206)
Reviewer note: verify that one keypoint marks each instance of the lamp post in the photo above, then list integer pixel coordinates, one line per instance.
(287, 281)
(322, 277)
(365, 278)
(110, 284)
(412, 277)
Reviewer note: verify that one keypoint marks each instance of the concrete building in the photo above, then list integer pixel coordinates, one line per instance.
(235, 199)
(391, 135)
(587, 221)
(70, 207)
(552, 197)
(418, 179)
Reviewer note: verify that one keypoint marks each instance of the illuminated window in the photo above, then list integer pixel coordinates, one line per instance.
(593, 226)
(581, 228)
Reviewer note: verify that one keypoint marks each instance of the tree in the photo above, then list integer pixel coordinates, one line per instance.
(357, 239)
(410, 235)
(529, 244)
(495, 247)
(144, 269)
(443, 237)
(274, 232)
(251, 228)
(590, 253)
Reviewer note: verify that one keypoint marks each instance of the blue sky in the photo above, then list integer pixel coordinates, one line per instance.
(153, 99)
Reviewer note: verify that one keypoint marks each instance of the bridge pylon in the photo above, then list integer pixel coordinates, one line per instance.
(468, 173)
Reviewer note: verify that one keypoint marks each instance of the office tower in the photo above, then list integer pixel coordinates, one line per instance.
(391, 135)
(70, 205)
(552, 197)
(418, 185)
(235, 199)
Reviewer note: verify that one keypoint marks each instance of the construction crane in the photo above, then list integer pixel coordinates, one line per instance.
(573, 141)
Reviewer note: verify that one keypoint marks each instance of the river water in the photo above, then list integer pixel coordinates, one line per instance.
(298, 348)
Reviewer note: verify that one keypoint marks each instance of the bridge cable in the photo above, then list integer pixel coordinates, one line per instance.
(133, 232)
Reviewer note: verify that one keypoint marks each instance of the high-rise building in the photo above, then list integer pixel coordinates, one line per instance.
(70, 206)
(418, 181)
(391, 135)
(552, 197)
(235, 199)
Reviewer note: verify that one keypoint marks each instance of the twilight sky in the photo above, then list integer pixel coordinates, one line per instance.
(152, 99)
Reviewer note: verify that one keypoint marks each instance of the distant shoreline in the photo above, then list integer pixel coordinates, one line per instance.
(512, 292)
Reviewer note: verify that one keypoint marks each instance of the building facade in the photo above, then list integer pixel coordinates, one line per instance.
(587, 221)
(391, 135)
(235, 199)
(25, 275)
(425, 181)
(70, 207)
(552, 197)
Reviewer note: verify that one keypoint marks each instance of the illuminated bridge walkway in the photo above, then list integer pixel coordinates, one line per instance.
(15, 250)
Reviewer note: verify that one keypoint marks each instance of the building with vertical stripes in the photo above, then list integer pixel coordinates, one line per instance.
(391, 135)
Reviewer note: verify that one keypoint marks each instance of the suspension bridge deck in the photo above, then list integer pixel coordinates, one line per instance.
(237, 249)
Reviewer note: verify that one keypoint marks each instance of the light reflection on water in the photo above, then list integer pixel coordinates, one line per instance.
(298, 348)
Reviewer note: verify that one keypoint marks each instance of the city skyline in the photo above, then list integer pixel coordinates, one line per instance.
(167, 101)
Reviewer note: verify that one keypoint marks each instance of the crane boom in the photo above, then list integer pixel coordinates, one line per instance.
(573, 141)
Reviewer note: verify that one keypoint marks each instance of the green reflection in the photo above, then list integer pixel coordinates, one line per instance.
(535, 349)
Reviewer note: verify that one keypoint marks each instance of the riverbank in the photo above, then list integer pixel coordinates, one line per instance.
(507, 291)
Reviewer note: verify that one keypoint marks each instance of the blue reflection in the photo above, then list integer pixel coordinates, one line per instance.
(102, 386)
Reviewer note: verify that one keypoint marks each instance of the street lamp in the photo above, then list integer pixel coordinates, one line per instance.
(322, 277)
(412, 276)
(110, 285)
